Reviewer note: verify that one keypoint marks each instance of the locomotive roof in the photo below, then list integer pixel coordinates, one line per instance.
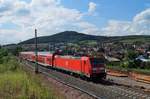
(63, 56)
(44, 53)
(69, 56)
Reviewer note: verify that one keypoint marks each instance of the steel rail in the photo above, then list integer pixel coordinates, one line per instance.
(106, 92)
(65, 83)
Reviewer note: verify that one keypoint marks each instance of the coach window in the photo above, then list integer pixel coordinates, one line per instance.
(50, 60)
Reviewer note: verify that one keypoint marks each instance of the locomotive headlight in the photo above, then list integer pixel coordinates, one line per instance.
(102, 68)
(94, 69)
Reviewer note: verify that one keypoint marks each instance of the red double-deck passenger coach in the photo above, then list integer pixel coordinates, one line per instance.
(91, 67)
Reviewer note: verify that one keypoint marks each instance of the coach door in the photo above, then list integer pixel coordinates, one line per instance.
(83, 66)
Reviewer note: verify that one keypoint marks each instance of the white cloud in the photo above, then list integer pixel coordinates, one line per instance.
(116, 28)
(92, 7)
(7, 36)
(48, 16)
(138, 26)
(88, 28)
(143, 16)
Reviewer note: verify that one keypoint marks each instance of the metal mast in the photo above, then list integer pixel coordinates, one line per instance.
(36, 53)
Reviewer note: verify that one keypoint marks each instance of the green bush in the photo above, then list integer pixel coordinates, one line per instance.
(3, 55)
(3, 52)
(124, 64)
(132, 54)
(132, 64)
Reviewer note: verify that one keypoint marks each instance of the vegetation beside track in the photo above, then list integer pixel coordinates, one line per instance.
(16, 83)
(130, 64)
(123, 69)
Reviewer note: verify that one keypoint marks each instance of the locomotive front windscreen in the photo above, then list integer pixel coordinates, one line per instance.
(97, 62)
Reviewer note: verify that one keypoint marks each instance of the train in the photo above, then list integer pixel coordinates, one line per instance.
(86, 66)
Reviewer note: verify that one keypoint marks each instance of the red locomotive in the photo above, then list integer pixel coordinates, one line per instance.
(86, 66)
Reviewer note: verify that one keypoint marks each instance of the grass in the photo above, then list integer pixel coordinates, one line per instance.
(15, 83)
(138, 70)
(142, 71)
(19, 85)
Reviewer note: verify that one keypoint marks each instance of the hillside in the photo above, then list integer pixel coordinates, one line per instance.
(72, 36)
(67, 36)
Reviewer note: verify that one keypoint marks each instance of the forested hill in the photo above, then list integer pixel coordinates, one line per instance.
(67, 36)
(72, 36)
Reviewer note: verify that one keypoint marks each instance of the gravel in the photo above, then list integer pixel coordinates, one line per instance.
(108, 89)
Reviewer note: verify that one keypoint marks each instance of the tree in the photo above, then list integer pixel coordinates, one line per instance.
(132, 55)
(3, 53)
(16, 50)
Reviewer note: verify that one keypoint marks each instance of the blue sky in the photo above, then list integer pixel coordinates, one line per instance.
(98, 17)
(109, 9)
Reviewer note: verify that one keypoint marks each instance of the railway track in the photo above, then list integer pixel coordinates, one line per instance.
(102, 90)
(46, 72)
(133, 75)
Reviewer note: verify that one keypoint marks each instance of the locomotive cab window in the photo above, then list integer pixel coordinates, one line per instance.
(96, 61)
